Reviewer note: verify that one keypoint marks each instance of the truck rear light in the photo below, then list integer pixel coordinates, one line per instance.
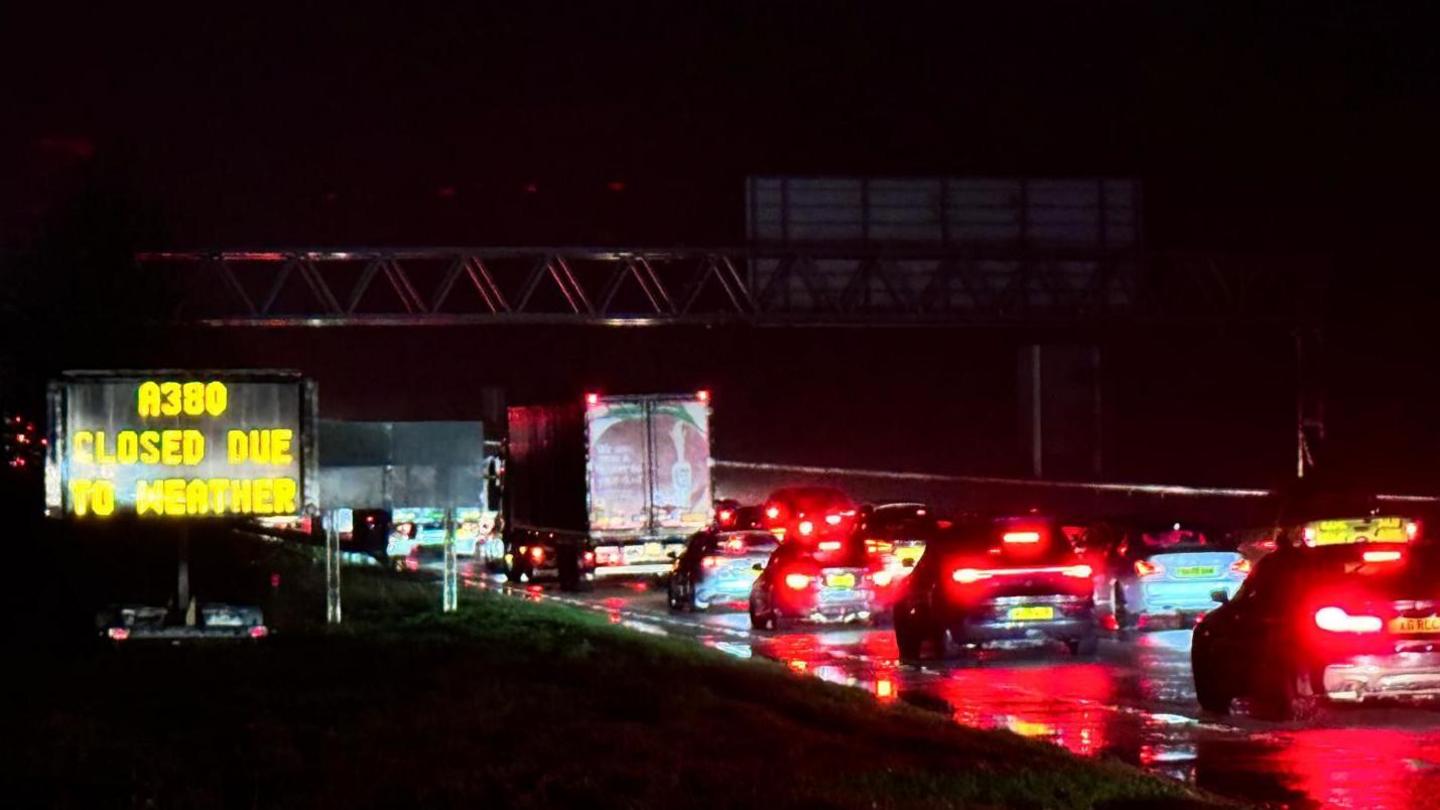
(798, 582)
(1243, 566)
(806, 528)
(1337, 620)
(829, 545)
(592, 399)
(537, 553)
(1077, 571)
(703, 395)
(833, 520)
(967, 575)
(1382, 556)
(725, 517)
(1145, 568)
(709, 562)
(118, 633)
(1021, 537)
(259, 631)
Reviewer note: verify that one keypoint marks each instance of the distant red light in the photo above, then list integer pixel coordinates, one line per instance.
(616, 185)
(703, 395)
(118, 633)
(259, 631)
(772, 512)
(806, 528)
(592, 399)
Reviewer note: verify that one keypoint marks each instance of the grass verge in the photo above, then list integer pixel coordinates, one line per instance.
(505, 704)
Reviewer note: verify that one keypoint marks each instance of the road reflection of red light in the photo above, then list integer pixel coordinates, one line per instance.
(1362, 767)
(1062, 704)
(614, 616)
(613, 602)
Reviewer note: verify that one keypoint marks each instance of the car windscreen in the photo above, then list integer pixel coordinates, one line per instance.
(744, 543)
(1173, 538)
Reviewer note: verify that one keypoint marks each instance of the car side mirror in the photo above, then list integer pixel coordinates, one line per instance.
(1220, 595)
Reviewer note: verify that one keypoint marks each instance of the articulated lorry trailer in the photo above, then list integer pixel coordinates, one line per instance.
(610, 486)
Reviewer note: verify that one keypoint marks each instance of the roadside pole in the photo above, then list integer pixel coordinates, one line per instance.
(332, 567)
(449, 594)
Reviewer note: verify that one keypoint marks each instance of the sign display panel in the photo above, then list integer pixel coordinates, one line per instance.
(179, 445)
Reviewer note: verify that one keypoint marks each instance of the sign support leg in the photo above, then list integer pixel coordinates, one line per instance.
(182, 579)
(332, 568)
(449, 596)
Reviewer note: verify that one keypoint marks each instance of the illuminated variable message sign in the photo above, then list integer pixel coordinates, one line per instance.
(180, 444)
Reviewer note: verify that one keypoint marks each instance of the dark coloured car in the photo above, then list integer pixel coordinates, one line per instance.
(731, 515)
(894, 535)
(719, 567)
(1344, 623)
(809, 513)
(1011, 579)
(820, 582)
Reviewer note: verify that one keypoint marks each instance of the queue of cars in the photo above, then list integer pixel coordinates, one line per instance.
(1339, 609)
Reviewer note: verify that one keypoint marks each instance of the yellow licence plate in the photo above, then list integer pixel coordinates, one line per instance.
(1031, 613)
(1426, 624)
(840, 580)
(1196, 571)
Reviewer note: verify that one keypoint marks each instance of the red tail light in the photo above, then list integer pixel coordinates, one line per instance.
(1077, 571)
(798, 582)
(833, 520)
(1382, 556)
(967, 575)
(1241, 566)
(589, 557)
(1337, 620)
(1021, 537)
(259, 631)
(1412, 530)
(806, 528)
(118, 633)
(1145, 568)
(710, 562)
(1310, 535)
(537, 553)
(726, 517)
(772, 511)
(592, 399)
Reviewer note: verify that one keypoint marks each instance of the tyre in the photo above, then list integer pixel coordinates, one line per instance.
(671, 598)
(1123, 619)
(760, 621)
(1084, 647)
(907, 641)
(1289, 694)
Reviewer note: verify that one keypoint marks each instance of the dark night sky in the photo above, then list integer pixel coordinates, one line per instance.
(1271, 128)
(1298, 127)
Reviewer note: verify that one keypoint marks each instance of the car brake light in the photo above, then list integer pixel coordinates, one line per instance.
(797, 582)
(736, 545)
(968, 575)
(592, 399)
(1145, 568)
(259, 631)
(772, 512)
(1021, 537)
(118, 633)
(829, 545)
(1310, 535)
(1381, 556)
(1336, 620)
(1077, 571)
(726, 516)
(881, 578)
(806, 527)
(537, 553)
(1241, 566)
(1412, 530)
(833, 520)
(709, 562)
(589, 557)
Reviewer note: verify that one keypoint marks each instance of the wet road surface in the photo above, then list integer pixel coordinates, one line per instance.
(1134, 701)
